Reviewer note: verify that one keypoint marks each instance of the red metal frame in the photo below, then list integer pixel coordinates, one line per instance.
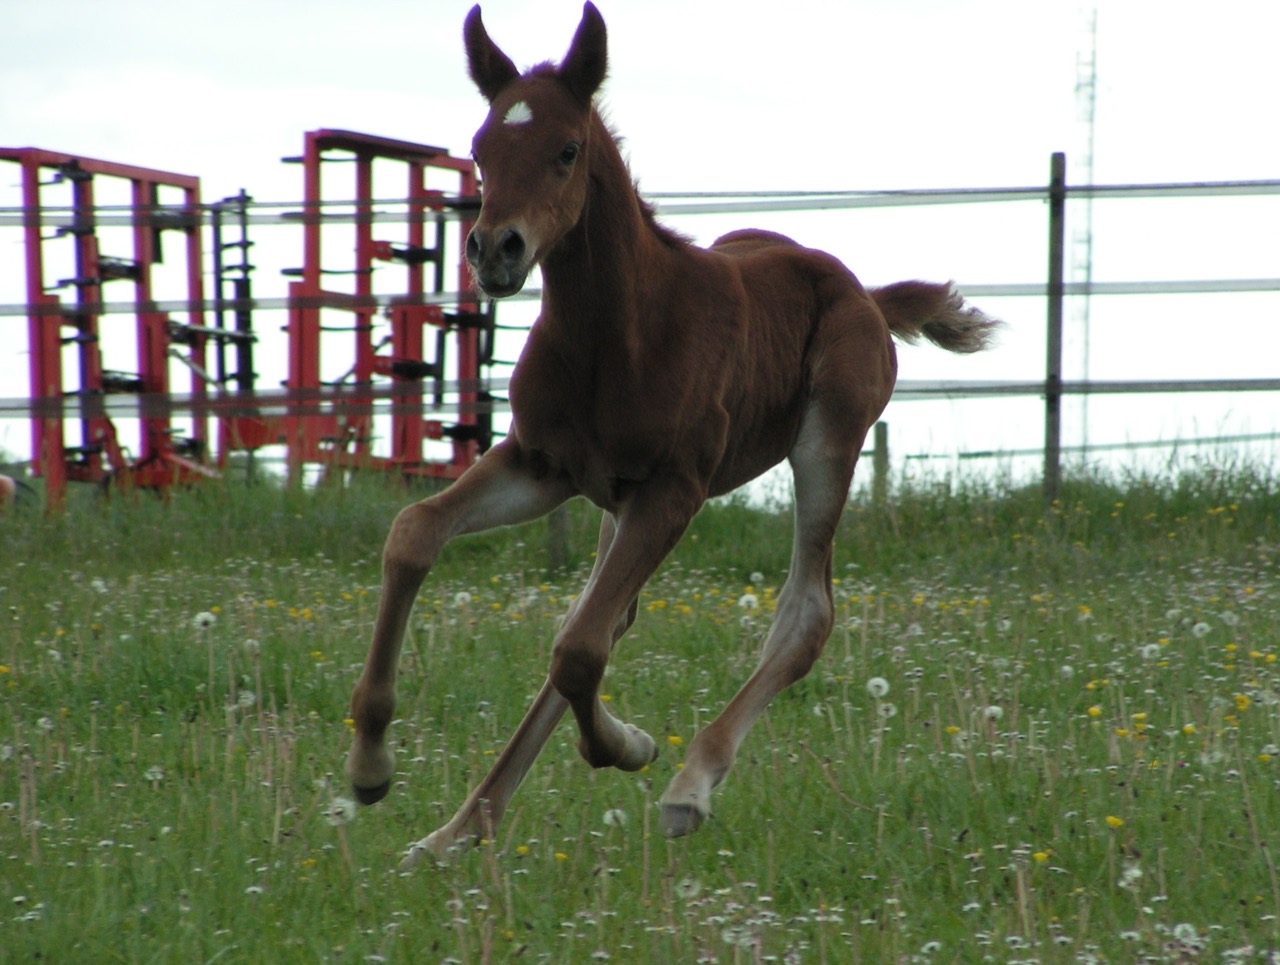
(319, 435)
(99, 455)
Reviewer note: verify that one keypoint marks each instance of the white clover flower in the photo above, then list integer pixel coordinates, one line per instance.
(1130, 876)
(341, 810)
(204, 620)
(878, 687)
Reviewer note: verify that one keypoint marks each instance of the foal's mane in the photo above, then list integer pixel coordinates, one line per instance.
(668, 236)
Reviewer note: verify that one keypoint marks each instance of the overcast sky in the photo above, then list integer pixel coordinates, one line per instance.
(714, 95)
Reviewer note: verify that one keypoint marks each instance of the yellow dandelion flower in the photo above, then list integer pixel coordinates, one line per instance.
(561, 856)
(952, 729)
(1114, 822)
(1040, 857)
(522, 849)
(675, 740)
(1242, 701)
(1188, 729)
(1095, 711)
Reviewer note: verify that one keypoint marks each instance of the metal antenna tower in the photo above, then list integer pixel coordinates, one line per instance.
(1082, 237)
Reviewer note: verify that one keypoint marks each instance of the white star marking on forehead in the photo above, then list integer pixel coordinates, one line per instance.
(519, 113)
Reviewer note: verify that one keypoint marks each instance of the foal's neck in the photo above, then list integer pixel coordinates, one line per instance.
(598, 276)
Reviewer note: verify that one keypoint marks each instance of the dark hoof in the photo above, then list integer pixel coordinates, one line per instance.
(371, 795)
(680, 819)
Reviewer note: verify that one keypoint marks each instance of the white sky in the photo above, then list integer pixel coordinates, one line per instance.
(731, 94)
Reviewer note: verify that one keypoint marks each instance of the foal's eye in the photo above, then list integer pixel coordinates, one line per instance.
(569, 154)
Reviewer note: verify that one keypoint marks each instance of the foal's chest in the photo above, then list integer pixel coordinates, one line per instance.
(582, 423)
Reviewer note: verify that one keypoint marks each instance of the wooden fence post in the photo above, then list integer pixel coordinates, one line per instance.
(1053, 361)
(880, 465)
(558, 538)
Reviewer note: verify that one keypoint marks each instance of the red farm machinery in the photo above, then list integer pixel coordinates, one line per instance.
(387, 352)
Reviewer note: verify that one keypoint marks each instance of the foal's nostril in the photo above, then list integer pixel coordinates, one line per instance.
(473, 249)
(511, 246)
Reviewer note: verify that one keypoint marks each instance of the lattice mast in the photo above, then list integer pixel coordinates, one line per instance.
(1086, 96)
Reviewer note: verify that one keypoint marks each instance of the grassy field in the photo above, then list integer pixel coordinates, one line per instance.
(1036, 736)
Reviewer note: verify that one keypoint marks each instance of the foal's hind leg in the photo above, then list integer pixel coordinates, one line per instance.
(823, 467)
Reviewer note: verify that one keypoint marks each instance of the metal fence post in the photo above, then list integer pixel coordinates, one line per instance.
(1053, 361)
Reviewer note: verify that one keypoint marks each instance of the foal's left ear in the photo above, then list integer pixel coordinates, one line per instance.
(586, 62)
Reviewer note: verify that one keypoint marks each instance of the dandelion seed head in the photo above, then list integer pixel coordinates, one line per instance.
(688, 888)
(204, 620)
(878, 687)
(341, 810)
(615, 818)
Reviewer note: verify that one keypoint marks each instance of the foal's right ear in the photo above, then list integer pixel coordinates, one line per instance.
(489, 67)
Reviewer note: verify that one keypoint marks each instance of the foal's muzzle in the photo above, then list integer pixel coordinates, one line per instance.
(501, 263)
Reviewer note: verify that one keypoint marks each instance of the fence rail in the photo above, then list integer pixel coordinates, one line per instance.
(1055, 289)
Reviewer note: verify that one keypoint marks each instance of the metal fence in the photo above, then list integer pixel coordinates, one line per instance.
(1055, 289)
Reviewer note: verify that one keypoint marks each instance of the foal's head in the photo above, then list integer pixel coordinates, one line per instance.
(532, 151)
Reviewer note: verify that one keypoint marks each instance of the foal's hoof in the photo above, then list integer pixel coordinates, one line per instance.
(642, 750)
(371, 795)
(438, 847)
(678, 820)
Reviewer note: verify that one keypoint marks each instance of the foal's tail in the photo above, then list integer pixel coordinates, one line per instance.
(938, 312)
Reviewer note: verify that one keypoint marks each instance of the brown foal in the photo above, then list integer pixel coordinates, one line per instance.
(657, 375)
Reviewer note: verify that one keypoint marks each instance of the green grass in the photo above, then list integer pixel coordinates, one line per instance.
(1077, 758)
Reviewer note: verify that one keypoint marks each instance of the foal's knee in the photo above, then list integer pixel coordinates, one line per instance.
(414, 540)
(576, 669)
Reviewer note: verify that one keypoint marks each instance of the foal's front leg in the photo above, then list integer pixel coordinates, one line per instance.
(496, 491)
(648, 527)
(488, 800)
